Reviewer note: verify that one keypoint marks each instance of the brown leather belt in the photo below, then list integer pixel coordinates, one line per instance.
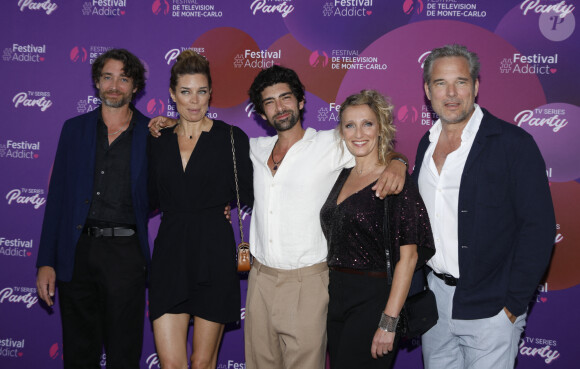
(368, 273)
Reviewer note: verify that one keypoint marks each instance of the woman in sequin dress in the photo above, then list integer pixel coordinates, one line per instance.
(363, 309)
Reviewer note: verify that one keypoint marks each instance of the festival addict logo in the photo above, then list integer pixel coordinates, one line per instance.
(260, 59)
(413, 6)
(16, 149)
(447, 9)
(26, 196)
(172, 54)
(34, 99)
(272, 7)
(10, 347)
(322, 114)
(79, 54)
(529, 64)
(106, 8)
(24, 53)
(546, 118)
(19, 295)
(329, 113)
(540, 348)
(542, 293)
(89, 104)
(318, 59)
(185, 9)
(15, 247)
(347, 8)
(43, 5)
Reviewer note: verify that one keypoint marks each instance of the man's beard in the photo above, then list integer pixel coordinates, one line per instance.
(117, 103)
(287, 123)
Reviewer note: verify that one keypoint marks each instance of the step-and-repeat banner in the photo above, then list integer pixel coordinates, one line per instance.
(529, 53)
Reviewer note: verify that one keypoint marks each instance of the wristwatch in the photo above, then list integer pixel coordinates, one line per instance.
(401, 160)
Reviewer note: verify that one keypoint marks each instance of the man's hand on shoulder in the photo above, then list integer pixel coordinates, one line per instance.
(392, 180)
(158, 123)
(45, 283)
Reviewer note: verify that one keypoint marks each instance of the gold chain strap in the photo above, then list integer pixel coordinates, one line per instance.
(236, 180)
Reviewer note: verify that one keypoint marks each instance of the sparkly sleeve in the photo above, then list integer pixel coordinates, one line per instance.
(409, 223)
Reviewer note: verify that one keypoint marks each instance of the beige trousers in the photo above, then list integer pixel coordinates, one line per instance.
(285, 325)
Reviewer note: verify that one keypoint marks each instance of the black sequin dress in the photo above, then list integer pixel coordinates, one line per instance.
(354, 232)
(354, 228)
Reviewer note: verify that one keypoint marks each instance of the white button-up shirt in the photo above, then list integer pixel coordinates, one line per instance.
(440, 192)
(285, 231)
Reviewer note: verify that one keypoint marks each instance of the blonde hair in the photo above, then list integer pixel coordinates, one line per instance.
(383, 109)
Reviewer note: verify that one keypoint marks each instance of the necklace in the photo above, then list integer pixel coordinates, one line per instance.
(361, 170)
(276, 164)
(124, 126)
(183, 129)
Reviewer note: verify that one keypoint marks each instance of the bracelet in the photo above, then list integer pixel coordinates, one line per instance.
(388, 323)
(401, 160)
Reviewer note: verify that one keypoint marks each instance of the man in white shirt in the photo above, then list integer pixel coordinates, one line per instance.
(294, 171)
(484, 184)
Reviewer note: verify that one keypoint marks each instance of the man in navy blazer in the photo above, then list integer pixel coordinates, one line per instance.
(94, 238)
(485, 187)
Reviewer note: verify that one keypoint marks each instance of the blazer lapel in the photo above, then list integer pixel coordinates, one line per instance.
(88, 148)
(488, 127)
(138, 150)
(422, 147)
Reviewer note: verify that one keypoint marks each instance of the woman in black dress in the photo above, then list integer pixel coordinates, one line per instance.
(193, 271)
(363, 309)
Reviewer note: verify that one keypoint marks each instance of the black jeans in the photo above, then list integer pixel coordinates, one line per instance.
(104, 304)
(354, 310)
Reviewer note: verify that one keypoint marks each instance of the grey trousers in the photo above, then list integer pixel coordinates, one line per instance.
(474, 344)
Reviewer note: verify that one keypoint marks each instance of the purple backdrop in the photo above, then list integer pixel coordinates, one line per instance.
(527, 48)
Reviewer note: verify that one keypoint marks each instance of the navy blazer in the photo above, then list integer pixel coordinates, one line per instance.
(506, 222)
(71, 190)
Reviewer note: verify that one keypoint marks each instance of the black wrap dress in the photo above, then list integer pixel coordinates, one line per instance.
(193, 268)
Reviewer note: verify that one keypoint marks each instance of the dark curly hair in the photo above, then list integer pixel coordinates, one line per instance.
(271, 76)
(132, 67)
